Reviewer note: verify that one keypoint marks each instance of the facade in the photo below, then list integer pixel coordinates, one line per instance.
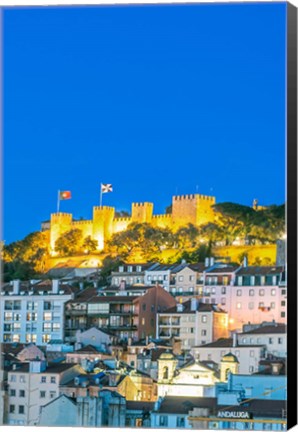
(192, 322)
(32, 385)
(195, 209)
(188, 282)
(130, 274)
(33, 312)
(252, 294)
(249, 356)
(273, 336)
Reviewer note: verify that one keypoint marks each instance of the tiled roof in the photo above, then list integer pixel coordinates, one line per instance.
(51, 368)
(201, 307)
(228, 269)
(260, 270)
(184, 404)
(268, 329)
(139, 406)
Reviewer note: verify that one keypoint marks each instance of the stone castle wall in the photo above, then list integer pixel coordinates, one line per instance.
(195, 209)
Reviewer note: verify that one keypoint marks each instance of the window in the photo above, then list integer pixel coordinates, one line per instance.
(43, 379)
(239, 293)
(204, 318)
(225, 280)
(223, 290)
(283, 315)
(143, 321)
(223, 301)
(261, 305)
(239, 305)
(283, 303)
(180, 278)
(180, 422)
(251, 369)
(12, 409)
(8, 316)
(204, 332)
(191, 278)
(283, 292)
(21, 409)
(53, 380)
(262, 280)
(252, 280)
(47, 316)
(163, 421)
(251, 292)
(261, 292)
(144, 306)
(251, 353)
(13, 378)
(270, 341)
(12, 392)
(251, 305)
(273, 292)
(22, 393)
(280, 340)
(272, 305)
(52, 394)
(22, 379)
(42, 394)
(239, 280)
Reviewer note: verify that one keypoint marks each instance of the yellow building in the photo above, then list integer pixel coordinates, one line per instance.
(195, 209)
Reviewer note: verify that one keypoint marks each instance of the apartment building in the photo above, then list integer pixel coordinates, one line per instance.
(33, 312)
(33, 385)
(193, 322)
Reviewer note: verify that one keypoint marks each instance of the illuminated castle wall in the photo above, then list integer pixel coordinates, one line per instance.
(195, 209)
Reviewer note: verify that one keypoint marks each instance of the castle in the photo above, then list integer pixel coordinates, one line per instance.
(195, 209)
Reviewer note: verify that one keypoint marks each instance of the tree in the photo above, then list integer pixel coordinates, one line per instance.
(70, 242)
(89, 245)
(188, 236)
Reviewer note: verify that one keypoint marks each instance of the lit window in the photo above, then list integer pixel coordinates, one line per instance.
(204, 318)
(239, 305)
(273, 292)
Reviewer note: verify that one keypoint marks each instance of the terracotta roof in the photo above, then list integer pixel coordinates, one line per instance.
(201, 307)
(112, 299)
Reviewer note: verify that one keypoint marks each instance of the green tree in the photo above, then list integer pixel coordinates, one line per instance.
(89, 245)
(70, 242)
(188, 236)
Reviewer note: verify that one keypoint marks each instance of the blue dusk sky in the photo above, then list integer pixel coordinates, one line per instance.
(156, 100)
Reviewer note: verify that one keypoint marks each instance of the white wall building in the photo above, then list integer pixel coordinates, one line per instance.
(33, 312)
(273, 336)
(33, 385)
(193, 323)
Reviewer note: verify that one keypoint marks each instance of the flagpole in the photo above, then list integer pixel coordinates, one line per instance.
(58, 202)
(100, 200)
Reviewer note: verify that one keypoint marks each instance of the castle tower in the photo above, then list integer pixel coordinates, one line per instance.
(60, 223)
(167, 364)
(229, 363)
(141, 212)
(102, 224)
(195, 209)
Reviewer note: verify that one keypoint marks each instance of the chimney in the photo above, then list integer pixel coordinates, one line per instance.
(16, 286)
(55, 286)
(211, 261)
(206, 262)
(245, 261)
(234, 340)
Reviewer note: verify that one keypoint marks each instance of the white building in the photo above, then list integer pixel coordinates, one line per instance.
(188, 281)
(33, 385)
(162, 274)
(248, 294)
(273, 336)
(33, 312)
(248, 355)
(193, 323)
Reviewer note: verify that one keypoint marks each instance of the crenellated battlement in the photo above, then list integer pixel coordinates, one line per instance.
(59, 216)
(143, 204)
(122, 219)
(101, 208)
(193, 197)
(83, 222)
(162, 216)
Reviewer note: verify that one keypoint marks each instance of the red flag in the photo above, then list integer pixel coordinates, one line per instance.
(64, 195)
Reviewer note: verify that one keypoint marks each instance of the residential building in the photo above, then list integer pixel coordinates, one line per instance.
(273, 336)
(31, 386)
(130, 274)
(249, 356)
(193, 322)
(163, 274)
(188, 282)
(33, 312)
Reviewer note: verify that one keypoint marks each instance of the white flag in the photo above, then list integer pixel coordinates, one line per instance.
(105, 188)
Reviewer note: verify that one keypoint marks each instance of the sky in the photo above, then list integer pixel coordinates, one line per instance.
(156, 100)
